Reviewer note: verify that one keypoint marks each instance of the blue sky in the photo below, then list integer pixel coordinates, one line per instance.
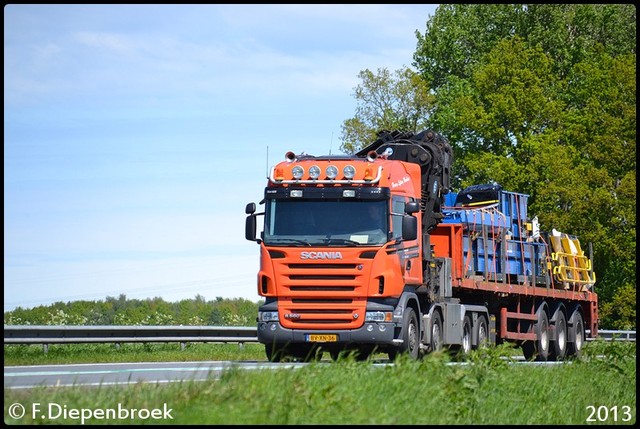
(134, 135)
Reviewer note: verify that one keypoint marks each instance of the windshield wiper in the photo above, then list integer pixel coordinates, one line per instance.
(342, 241)
(289, 240)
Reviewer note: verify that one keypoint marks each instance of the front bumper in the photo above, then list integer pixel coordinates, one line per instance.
(378, 333)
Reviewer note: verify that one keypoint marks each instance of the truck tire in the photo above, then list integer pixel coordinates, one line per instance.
(482, 333)
(274, 352)
(436, 332)
(335, 354)
(559, 339)
(465, 348)
(410, 334)
(538, 349)
(574, 348)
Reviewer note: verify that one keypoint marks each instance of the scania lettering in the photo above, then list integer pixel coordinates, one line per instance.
(320, 255)
(372, 252)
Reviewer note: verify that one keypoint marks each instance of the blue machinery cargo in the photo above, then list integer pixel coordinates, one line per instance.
(502, 244)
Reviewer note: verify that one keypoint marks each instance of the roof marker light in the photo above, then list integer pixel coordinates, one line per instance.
(297, 172)
(279, 174)
(314, 172)
(349, 171)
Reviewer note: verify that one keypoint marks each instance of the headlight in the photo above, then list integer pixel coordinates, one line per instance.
(332, 172)
(268, 316)
(378, 316)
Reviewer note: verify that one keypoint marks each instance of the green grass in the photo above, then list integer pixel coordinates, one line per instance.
(131, 352)
(489, 390)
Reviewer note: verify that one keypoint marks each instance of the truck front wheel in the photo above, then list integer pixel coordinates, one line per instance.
(274, 352)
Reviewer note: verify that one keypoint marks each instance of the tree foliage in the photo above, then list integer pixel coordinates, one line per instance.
(386, 101)
(540, 98)
(620, 312)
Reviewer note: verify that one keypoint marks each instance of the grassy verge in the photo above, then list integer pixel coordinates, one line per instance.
(103, 353)
(489, 390)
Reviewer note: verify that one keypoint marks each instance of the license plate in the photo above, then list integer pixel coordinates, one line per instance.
(322, 338)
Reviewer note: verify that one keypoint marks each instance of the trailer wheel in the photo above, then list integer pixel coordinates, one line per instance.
(538, 349)
(436, 332)
(410, 334)
(575, 348)
(559, 341)
(482, 332)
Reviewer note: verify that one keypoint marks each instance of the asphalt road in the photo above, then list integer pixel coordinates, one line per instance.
(95, 374)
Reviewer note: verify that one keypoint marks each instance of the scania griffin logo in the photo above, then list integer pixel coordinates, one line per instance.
(320, 255)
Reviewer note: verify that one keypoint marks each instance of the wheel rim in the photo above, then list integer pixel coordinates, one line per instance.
(482, 332)
(412, 337)
(579, 336)
(482, 335)
(562, 335)
(544, 337)
(466, 342)
(466, 338)
(435, 334)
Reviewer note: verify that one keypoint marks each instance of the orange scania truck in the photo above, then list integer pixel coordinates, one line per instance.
(372, 252)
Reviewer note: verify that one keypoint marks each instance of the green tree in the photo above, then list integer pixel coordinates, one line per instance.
(540, 98)
(458, 35)
(386, 101)
(620, 312)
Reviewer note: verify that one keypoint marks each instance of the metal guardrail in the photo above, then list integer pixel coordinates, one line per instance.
(613, 335)
(45, 334)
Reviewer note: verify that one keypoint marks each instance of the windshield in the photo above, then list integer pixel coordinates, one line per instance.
(326, 222)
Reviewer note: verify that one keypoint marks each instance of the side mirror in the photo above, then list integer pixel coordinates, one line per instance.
(250, 225)
(412, 207)
(250, 228)
(409, 227)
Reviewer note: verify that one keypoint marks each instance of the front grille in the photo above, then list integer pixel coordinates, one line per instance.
(322, 295)
(321, 277)
(322, 266)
